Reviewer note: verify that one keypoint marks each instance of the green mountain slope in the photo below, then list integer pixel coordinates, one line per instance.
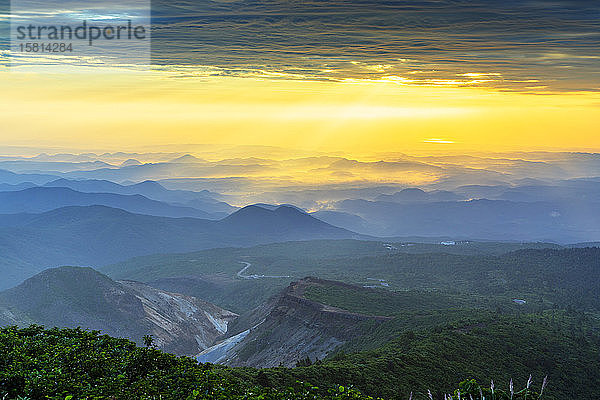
(74, 296)
(388, 344)
(485, 347)
(74, 364)
(544, 278)
(431, 341)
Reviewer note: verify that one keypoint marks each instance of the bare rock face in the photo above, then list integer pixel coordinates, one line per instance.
(74, 296)
(180, 324)
(290, 328)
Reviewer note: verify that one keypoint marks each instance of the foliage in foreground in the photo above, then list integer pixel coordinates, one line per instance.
(74, 364)
(502, 347)
(70, 364)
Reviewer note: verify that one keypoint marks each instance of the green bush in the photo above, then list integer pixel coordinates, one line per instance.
(72, 364)
(69, 364)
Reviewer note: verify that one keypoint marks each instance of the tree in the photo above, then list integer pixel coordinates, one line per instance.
(148, 341)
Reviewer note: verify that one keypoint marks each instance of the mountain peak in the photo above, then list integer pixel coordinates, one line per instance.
(286, 220)
(274, 207)
(64, 271)
(148, 184)
(187, 158)
(267, 211)
(77, 296)
(414, 191)
(58, 182)
(250, 212)
(130, 162)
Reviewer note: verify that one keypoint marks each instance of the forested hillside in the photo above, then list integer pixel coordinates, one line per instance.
(74, 364)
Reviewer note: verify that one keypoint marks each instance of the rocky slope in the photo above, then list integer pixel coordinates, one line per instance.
(287, 329)
(73, 296)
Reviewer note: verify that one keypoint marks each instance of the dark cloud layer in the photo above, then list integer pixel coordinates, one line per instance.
(518, 43)
(512, 44)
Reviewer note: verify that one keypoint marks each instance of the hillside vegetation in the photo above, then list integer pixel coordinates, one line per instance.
(428, 341)
(74, 364)
(490, 274)
(481, 346)
(398, 322)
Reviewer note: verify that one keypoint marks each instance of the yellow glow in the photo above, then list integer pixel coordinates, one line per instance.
(358, 118)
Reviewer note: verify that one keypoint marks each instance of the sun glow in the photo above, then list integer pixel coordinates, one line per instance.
(115, 111)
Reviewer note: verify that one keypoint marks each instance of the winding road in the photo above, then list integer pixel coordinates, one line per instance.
(240, 273)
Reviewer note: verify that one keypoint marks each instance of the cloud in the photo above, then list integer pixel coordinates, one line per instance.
(439, 141)
(500, 44)
(483, 43)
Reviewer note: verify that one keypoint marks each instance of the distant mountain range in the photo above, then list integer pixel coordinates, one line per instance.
(12, 178)
(347, 220)
(411, 195)
(95, 209)
(209, 202)
(73, 296)
(204, 200)
(99, 235)
(564, 221)
(42, 199)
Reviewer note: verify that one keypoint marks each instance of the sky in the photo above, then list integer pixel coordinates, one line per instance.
(360, 78)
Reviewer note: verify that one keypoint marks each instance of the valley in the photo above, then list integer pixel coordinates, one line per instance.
(269, 295)
(318, 307)
(300, 200)
(290, 327)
